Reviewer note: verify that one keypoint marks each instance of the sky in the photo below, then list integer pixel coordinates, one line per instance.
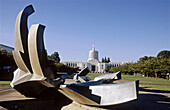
(123, 30)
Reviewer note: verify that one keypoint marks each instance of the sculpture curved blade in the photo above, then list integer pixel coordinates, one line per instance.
(36, 49)
(20, 53)
(33, 76)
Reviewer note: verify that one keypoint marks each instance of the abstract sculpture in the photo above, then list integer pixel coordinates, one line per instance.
(101, 91)
(34, 78)
(33, 75)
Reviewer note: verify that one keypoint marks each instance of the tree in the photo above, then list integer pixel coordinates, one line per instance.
(164, 54)
(65, 68)
(108, 60)
(145, 58)
(7, 65)
(105, 60)
(55, 57)
(59, 67)
(107, 68)
(150, 66)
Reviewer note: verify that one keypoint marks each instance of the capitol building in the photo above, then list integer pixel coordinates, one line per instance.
(93, 63)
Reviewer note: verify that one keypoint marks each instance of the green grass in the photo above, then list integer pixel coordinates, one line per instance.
(154, 83)
(156, 87)
(5, 83)
(90, 75)
(93, 75)
(131, 77)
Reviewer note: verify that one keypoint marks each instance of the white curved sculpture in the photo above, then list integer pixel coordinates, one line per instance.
(21, 40)
(33, 39)
(30, 56)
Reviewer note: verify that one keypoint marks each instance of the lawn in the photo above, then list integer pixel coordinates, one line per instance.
(154, 83)
(5, 83)
(93, 75)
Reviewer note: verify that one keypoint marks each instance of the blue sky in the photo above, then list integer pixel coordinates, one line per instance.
(123, 30)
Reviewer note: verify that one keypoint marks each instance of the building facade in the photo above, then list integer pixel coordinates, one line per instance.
(93, 63)
(7, 48)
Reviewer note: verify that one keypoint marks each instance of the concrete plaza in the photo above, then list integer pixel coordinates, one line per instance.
(147, 100)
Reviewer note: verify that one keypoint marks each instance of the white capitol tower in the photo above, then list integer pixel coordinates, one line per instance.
(93, 54)
(93, 63)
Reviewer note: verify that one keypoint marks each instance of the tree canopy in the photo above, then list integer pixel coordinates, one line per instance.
(54, 63)
(59, 67)
(150, 66)
(7, 65)
(105, 60)
(6, 59)
(164, 54)
(55, 57)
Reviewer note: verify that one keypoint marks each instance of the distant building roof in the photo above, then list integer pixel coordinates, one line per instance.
(7, 48)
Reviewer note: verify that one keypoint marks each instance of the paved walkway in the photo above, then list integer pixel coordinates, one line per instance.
(9, 94)
(147, 100)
